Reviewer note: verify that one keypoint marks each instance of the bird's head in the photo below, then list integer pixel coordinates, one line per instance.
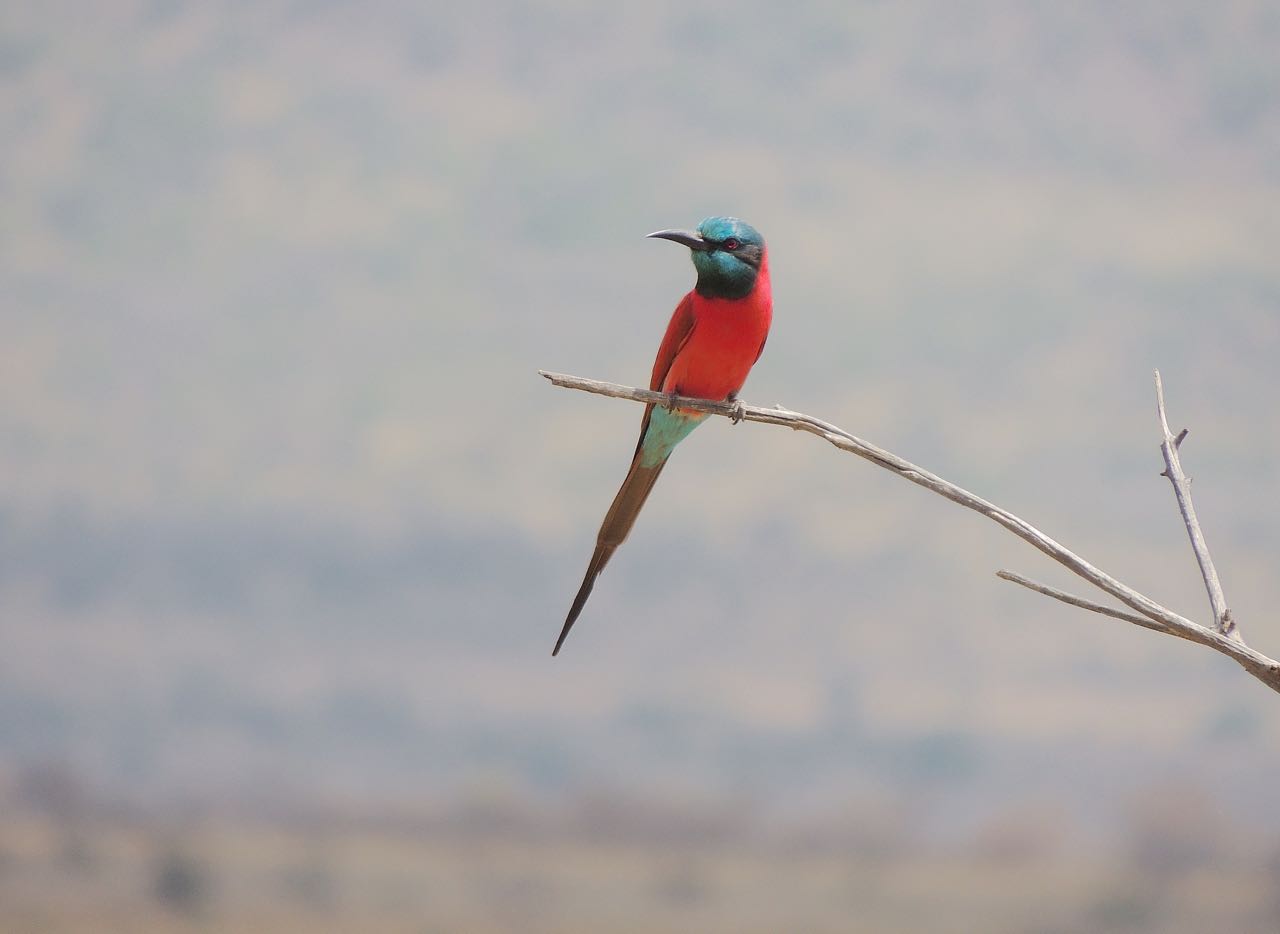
(727, 253)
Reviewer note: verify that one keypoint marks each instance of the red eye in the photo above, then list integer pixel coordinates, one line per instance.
(731, 244)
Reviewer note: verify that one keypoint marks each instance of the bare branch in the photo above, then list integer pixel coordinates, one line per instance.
(1083, 603)
(1260, 666)
(1169, 445)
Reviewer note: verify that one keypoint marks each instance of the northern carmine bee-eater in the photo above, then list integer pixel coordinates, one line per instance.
(715, 336)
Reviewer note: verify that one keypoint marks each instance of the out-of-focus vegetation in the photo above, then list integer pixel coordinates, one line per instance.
(288, 523)
(617, 864)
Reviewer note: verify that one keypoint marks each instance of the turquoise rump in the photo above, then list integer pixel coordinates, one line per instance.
(666, 430)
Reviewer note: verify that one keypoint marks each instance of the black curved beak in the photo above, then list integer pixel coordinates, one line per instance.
(691, 240)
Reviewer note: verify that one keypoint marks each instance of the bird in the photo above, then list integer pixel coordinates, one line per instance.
(714, 338)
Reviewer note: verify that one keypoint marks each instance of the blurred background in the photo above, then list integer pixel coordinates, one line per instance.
(289, 524)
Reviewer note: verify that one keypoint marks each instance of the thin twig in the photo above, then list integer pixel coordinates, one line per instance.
(1084, 604)
(1265, 669)
(1169, 445)
(1249, 659)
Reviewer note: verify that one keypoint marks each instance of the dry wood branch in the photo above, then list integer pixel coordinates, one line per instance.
(1084, 604)
(1169, 446)
(1260, 666)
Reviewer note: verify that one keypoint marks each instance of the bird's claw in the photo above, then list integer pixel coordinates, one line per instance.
(739, 410)
(670, 404)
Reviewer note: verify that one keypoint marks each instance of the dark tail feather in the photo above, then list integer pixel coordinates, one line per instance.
(617, 524)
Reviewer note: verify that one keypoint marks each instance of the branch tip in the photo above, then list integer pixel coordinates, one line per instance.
(1084, 604)
(1181, 484)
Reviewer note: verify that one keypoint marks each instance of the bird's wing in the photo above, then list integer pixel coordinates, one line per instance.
(679, 329)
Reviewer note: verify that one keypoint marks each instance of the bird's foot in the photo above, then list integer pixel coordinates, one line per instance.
(739, 410)
(670, 404)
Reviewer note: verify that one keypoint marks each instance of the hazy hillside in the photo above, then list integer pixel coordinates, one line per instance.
(286, 512)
